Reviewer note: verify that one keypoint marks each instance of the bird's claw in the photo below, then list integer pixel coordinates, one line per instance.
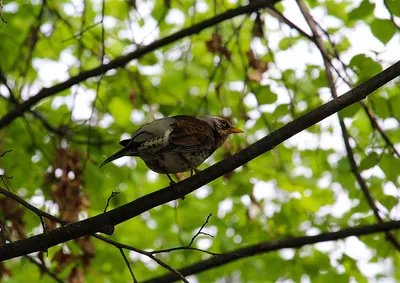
(195, 170)
(171, 182)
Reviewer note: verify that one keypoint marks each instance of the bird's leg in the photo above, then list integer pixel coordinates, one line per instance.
(171, 182)
(194, 170)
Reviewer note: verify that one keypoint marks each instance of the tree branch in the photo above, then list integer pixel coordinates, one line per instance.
(44, 269)
(105, 222)
(189, 246)
(265, 247)
(345, 133)
(121, 61)
(118, 245)
(128, 265)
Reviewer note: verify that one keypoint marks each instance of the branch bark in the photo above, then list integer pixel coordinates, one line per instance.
(121, 61)
(265, 247)
(105, 222)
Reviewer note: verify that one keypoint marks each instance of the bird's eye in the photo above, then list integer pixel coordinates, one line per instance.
(225, 124)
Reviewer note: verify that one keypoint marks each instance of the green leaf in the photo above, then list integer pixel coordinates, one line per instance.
(350, 111)
(343, 45)
(362, 123)
(381, 107)
(265, 95)
(365, 66)
(394, 104)
(369, 162)
(287, 42)
(393, 7)
(149, 59)
(362, 11)
(121, 111)
(383, 30)
(310, 204)
(337, 9)
(390, 165)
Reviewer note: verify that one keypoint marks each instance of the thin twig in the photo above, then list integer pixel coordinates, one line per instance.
(113, 194)
(1, 12)
(3, 238)
(128, 264)
(31, 41)
(160, 262)
(103, 54)
(392, 18)
(41, 221)
(43, 268)
(4, 182)
(32, 208)
(200, 231)
(183, 248)
(5, 152)
(375, 124)
(188, 247)
(81, 32)
(148, 254)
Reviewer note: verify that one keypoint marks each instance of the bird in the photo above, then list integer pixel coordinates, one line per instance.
(176, 144)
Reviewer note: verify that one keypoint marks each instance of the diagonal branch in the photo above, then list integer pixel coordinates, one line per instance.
(44, 269)
(105, 222)
(43, 214)
(129, 265)
(266, 247)
(122, 60)
(328, 58)
(346, 137)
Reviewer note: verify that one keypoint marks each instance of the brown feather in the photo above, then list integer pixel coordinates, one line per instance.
(191, 134)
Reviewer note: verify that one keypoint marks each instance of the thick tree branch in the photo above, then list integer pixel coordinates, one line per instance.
(105, 222)
(124, 59)
(43, 214)
(265, 247)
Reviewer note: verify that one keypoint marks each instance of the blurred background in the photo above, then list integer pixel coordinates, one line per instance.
(261, 70)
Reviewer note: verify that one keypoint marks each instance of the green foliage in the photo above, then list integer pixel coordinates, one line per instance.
(393, 7)
(365, 66)
(384, 30)
(257, 72)
(364, 10)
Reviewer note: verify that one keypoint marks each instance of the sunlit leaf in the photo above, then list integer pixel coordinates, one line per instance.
(384, 30)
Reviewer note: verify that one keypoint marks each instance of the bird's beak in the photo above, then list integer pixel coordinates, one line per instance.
(236, 131)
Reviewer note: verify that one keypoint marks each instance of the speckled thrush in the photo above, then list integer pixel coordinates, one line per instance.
(176, 144)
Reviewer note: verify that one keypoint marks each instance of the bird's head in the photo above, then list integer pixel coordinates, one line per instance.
(221, 126)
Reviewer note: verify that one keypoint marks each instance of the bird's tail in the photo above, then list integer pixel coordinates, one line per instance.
(123, 152)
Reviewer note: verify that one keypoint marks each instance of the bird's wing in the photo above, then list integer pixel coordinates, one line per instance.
(189, 135)
(155, 129)
(152, 130)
